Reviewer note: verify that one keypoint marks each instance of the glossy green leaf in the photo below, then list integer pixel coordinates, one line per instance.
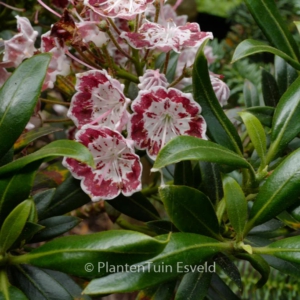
(183, 252)
(285, 121)
(191, 148)
(250, 47)
(162, 226)
(260, 265)
(32, 135)
(270, 89)
(67, 197)
(16, 188)
(224, 8)
(257, 135)
(7, 158)
(42, 200)
(263, 113)
(82, 255)
(18, 97)
(250, 92)
(183, 203)
(211, 181)
(38, 283)
(12, 294)
(57, 148)
(136, 206)
(236, 205)
(273, 26)
(183, 174)
(194, 286)
(279, 191)
(54, 227)
(288, 220)
(285, 74)
(219, 127)
(13, 225)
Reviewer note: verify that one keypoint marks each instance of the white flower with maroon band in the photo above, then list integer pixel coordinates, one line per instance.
(152, 78)
(59, 63)
(166, 38)
(161, 114)
(220, 88)
(117, 168)
(123, 9)
(20, 46)
(99, 100)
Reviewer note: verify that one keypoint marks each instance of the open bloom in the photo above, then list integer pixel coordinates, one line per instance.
(21, 45)
(160, 114)
(123, 9)
(117, 168)
(166, 38)
(99, 99)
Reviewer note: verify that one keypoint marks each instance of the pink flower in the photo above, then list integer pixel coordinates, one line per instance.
(160, 115)
(123, 9)
(152, 78)
(117, 168)
(4, 75)
(20, 46)
(99, 99)
(220, 88)
(155, 36)
(169, 14)
(59, 64)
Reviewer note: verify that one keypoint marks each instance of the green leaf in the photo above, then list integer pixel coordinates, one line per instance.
(236, 205)
(12, 294)
(57, 148)
(162, 226)
(183, 250)
(14, 189)
(260, 265)
(183, 174)
(81, 255)
(172, 65)
(279, 191)
(194, 286)
(211, 181)
(32, 135)
(219, 127)
(250, 47)
(191, 148)
(13, 225)
(257, 135)
(164, 291)
(270, 89)
(250, 94)
(136, 206)
(7, 158)
(18, 97)
(223, 8)
(263, 113)
(183, 203)
(42, 200)
(285, 74)
(54, 227)
(273, 26)
(285, 121)
(37, 283)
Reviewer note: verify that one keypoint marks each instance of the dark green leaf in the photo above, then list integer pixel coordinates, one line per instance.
(162, 226)
(219, 127)
(194, 286)
(54, 227)
(285, 121)
(136, 206)
(183, 174)
(81, 255)
(285, 74)
(57, 148)
(279, 191)
(164, 291)
(250, 94)
(250, 47)
(13, 294)
(172, 65)
(273, 26)
(7, 158)
(270, 89)
(263, 113)
(184, 250)
(42, 200)
(18, 97)
(32, 135)
(191, 148)
(183, 203)
(13, 225)
(260, 265)
(236, 205)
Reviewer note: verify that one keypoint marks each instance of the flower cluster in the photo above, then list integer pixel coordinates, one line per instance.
(124, 99)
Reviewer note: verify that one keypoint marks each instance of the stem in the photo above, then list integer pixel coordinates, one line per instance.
(126, 75)
(136, 23)
(126, 225)
(166, 62)
(54, 102)
(148, 191)
(78, 60)
(136, 61)
(12, 7)
(176, 81)
(157, 6)
(49, 8)
(57, 120)
(111, 22)
(4, 284)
